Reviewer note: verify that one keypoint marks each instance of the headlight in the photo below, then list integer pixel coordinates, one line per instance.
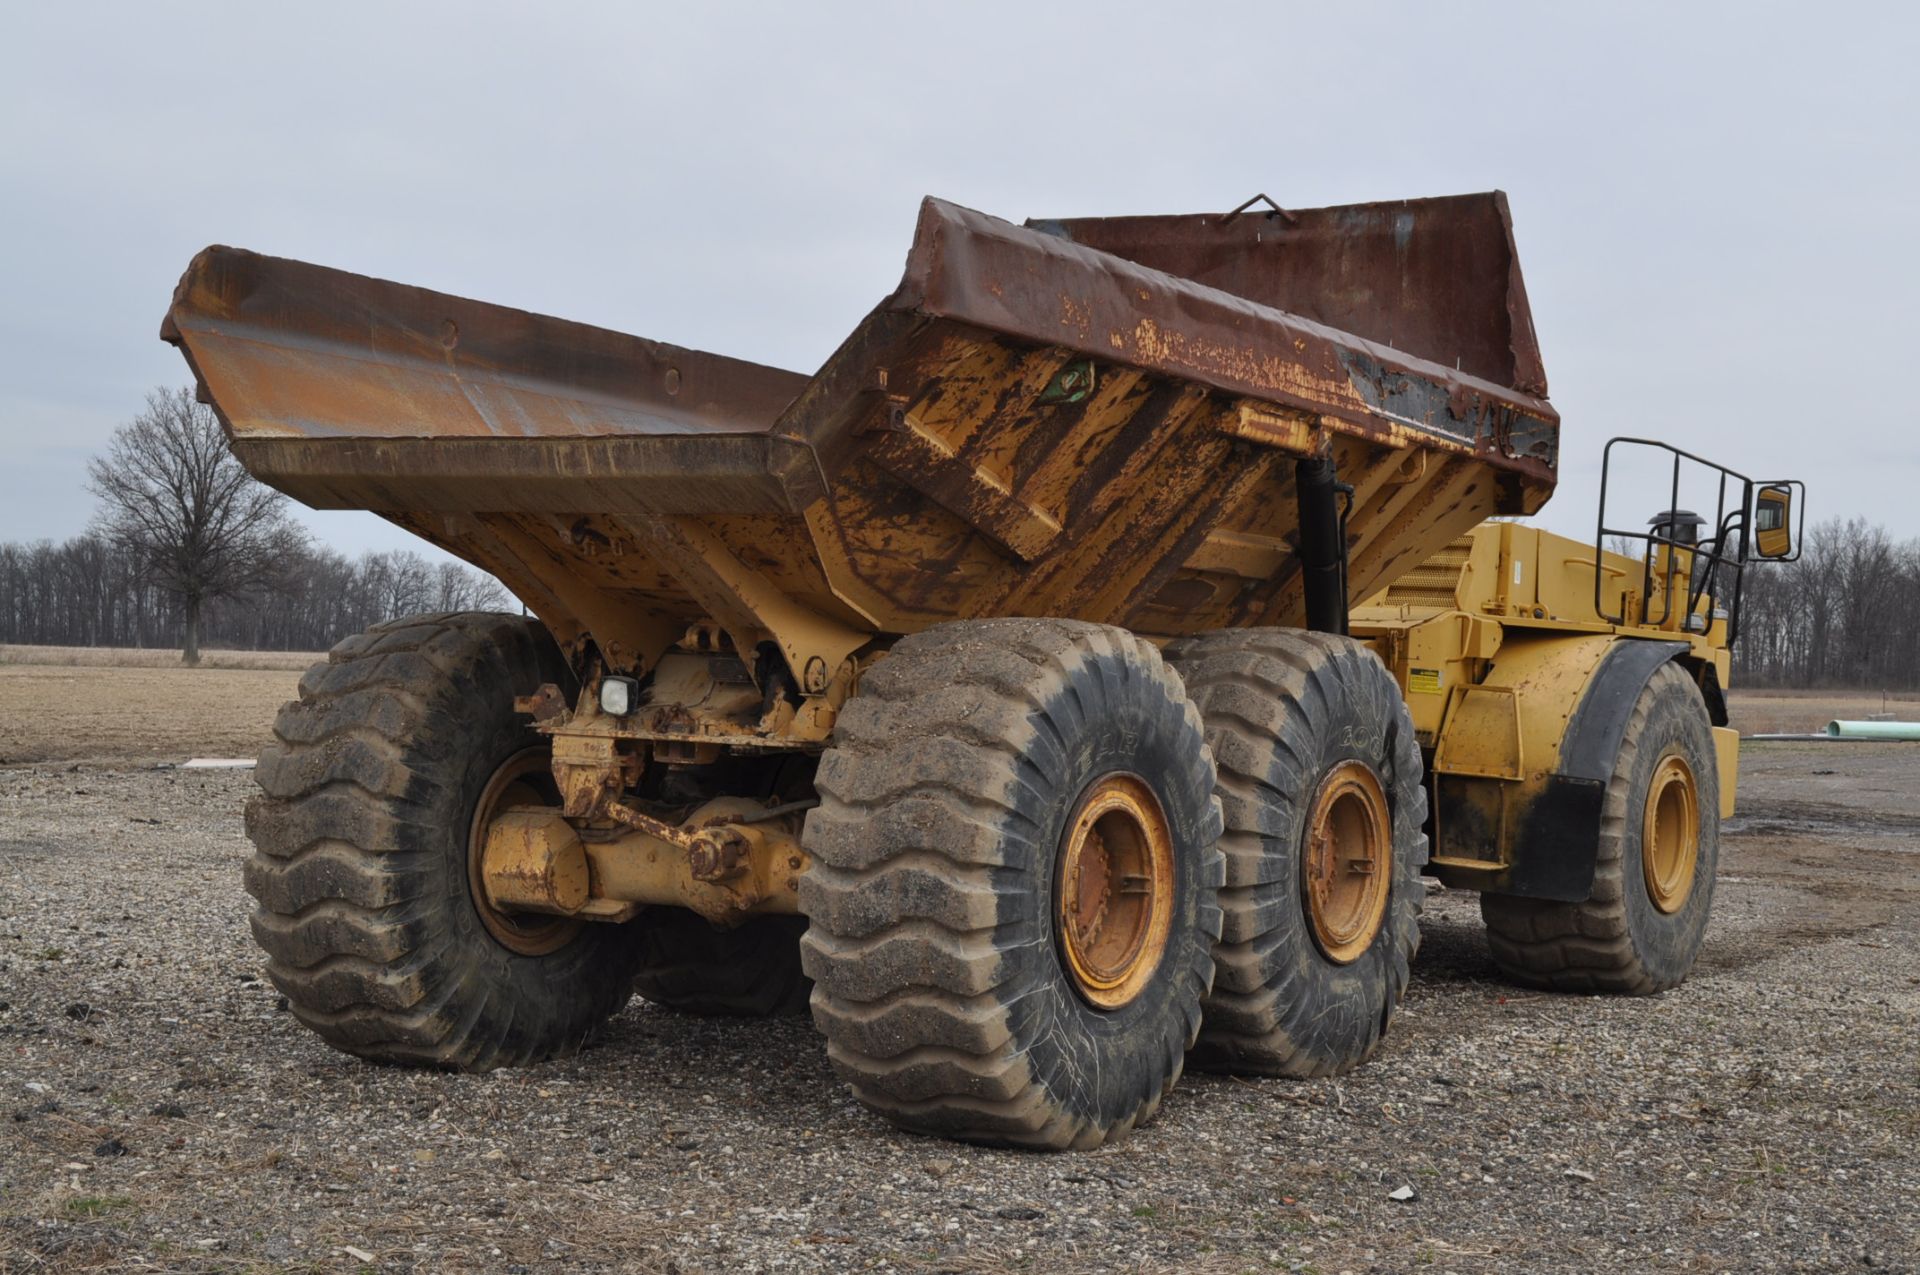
(618, 695)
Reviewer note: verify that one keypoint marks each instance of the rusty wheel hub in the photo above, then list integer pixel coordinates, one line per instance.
(1670, 835)
(1348, 864)
(524, 779)
(1113, 890)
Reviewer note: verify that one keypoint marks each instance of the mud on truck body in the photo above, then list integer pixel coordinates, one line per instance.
(1075, 676)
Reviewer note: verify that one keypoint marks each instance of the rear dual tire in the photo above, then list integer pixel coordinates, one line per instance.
(1015, 902)
(1013, 895)
(1321, 788)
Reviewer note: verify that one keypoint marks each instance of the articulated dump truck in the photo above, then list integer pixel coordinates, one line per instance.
(1077, 675)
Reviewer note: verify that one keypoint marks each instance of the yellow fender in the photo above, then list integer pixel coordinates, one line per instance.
(1522, 761)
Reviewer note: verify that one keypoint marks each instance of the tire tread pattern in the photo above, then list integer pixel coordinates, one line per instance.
(1269, 697)
(1589, 946)
(921, 796)
(358, 828)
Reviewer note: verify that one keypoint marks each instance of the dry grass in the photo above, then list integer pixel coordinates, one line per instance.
(139, 715)
(112, 705)
(1790, 711)
(126, 657)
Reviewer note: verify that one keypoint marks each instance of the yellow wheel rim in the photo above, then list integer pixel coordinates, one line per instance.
(1670, 835)
(520, 781)
(1348, 865)
(1113, 890)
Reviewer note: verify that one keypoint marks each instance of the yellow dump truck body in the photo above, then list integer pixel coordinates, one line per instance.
(996, 690)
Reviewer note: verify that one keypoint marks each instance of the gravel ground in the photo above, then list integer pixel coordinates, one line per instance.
(158, 1111)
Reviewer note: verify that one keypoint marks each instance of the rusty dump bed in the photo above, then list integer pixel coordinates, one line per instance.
(1093, 418)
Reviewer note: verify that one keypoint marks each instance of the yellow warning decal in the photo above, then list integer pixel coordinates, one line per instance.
(1423, 681)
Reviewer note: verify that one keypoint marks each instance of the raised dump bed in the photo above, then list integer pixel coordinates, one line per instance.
(1094, 418)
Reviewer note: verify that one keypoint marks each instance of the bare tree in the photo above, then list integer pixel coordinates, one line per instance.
(175, 502)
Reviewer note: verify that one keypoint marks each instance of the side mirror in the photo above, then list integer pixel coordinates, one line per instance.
(1773, 522)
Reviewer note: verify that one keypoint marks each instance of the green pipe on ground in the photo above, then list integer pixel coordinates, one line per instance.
(1874, 730)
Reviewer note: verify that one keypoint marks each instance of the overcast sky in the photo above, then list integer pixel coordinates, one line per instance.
(1716, 206)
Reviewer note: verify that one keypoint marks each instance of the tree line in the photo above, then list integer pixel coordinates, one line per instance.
(1846, 614)
(86, 593)
(187, 547)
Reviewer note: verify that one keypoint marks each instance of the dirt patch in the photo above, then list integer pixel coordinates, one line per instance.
(1858, 788)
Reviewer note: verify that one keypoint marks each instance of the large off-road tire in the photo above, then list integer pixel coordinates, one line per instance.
(1318, 768)
(690, 965)
(1012, 899)
(398, 746)
(1640, 931)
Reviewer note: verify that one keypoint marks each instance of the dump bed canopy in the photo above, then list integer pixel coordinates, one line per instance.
(1434, 278)
(1082, 417)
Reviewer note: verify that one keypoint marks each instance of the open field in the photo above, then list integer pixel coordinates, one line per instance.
(158, 1111)
(150, 658)
(72, 703)
(1772, 712)
(61, 703)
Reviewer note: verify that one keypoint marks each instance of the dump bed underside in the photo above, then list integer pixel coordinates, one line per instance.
(1030, 425)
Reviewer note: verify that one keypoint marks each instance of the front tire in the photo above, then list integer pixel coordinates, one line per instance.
(381, 775)
(1640, 930)
(1012, 901)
